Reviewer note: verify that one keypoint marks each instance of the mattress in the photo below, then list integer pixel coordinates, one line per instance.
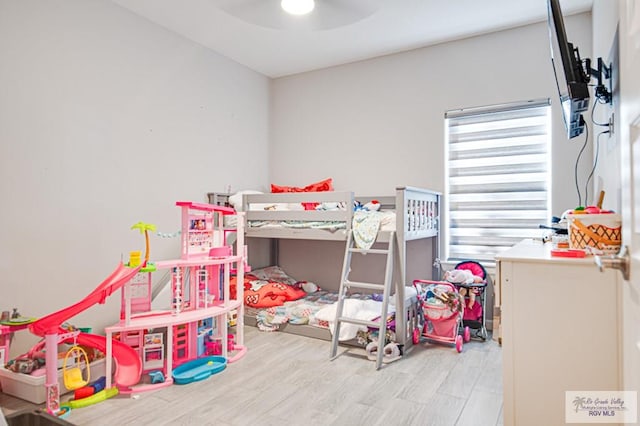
(313, 315)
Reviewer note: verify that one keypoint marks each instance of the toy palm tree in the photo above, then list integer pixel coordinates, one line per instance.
(144, 229)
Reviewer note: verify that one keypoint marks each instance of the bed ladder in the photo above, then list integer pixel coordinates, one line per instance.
(346, 285)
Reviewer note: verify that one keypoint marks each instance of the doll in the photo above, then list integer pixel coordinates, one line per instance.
(463, 276)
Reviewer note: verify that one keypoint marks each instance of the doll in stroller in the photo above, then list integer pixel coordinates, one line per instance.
(470, 278)
(440, 315)
(453, 307)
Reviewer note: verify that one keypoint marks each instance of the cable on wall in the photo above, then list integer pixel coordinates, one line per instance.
(593, 169)
(599, 99)
(593, 108)
(575, 171)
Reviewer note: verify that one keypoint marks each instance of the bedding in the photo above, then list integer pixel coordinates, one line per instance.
(268, 287)
(256, 207)
(264, 294)
(367, 310)
(324, 185)
(302, 311)
(235, 200)
(367, 224)
(318, 309)
(296, 312)
(273, 273)
(299, 224)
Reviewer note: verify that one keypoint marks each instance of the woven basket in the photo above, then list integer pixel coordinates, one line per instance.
(601, 231)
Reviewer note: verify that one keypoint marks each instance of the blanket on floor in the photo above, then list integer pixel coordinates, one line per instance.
(301, 311)
(353, 308)
(296, 312)
(264, 294)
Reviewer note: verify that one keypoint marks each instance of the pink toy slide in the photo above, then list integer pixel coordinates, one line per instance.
(129, 365)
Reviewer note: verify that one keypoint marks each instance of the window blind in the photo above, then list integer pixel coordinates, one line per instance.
(498, 178)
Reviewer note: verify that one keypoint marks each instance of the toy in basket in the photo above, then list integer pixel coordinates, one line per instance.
(442, 307)
(600, 231)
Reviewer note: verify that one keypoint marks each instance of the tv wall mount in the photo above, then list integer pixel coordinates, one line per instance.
(601, 73)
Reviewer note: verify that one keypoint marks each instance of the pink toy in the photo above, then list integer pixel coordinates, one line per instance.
(464, 276)
(215, 348)
(474, 290)
(206, 262)
(199, 292)
(129, 368)
(441, 309)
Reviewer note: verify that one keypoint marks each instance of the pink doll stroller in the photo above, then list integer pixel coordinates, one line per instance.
(441, 313)
(470, 278)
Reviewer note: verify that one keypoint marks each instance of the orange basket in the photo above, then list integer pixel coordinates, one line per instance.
(601, 231)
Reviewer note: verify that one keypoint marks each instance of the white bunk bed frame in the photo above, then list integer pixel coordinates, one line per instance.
(417, 217)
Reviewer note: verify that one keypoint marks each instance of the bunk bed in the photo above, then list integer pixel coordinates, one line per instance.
(329, 216)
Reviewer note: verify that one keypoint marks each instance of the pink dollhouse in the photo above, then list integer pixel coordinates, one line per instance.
(148, 345)
(200, 301)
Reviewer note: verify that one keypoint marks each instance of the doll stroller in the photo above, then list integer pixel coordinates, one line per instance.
(440, 315)
(473, 317)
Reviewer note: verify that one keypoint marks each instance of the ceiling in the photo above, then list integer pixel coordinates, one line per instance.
(258, 35)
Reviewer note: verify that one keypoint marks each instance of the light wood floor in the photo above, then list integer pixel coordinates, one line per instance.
(288, 379)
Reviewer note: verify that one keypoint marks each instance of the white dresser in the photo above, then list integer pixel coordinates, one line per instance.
(560, 331)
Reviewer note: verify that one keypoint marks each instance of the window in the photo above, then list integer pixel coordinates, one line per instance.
(498, 178)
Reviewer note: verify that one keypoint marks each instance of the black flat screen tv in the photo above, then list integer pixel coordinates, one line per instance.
(571, 77)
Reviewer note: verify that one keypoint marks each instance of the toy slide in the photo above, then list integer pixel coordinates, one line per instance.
(129, 366)
(128, 363)
(50, 324)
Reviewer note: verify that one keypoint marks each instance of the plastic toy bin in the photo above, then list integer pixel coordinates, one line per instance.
(32, 389)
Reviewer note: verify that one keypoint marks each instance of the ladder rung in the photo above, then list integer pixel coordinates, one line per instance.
(385, 288)
(365, 323)
(370, 286)
(369, 251)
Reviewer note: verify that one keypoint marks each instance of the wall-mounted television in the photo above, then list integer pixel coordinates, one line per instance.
(571, 77)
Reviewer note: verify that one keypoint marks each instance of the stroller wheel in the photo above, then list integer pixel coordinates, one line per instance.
(459, 343)
(483, 333)
(416, 336)
(467, 334)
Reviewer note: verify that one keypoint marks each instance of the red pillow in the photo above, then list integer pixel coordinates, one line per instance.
(272, 294)
(323, 185)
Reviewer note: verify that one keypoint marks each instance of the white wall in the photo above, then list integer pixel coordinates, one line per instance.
(105, 120)
(377, 124)
(607, 173)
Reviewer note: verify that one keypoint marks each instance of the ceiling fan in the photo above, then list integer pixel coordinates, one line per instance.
(326, 14)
